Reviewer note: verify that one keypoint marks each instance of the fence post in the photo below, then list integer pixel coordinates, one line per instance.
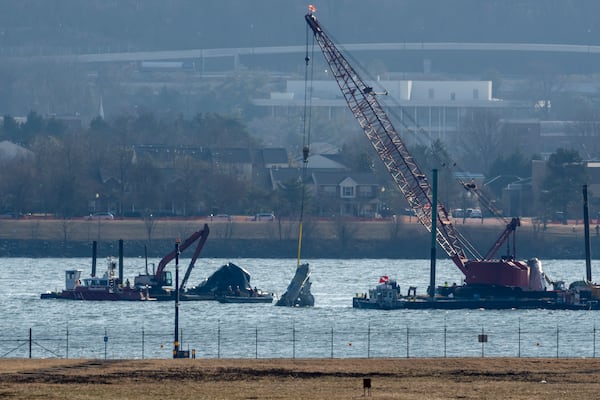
(332, 342)
(482, 342)
(369, 340)
(218, 339)
(445, 334)
(256, 343)
(143, 342)
(556, 340)
(67, 355)
(105, 342)
(407, 344)
(594, 345)
(30, 340)
(293, 340)
(519, 340)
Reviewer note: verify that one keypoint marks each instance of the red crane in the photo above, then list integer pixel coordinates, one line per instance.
(413, 183)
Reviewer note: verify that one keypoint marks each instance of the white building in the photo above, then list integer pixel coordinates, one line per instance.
(438, 107)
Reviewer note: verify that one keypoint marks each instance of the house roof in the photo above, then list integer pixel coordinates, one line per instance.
(322, 162)
(335, 178)
(11, 151)
(275, 156)
(232, 155)
(282, 175)
(169, 152)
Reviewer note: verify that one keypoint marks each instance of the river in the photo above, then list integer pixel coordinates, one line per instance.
(77, 329)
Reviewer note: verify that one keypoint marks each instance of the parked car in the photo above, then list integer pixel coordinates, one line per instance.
(220, 217)
(264, 217)
(100, 216)
(458, 213)
(474, 213)
(409, 211)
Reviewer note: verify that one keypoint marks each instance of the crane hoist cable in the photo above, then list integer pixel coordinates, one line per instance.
(381, 92)
(308, 80)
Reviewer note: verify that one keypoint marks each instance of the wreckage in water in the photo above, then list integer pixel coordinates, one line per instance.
(229, 284)
(298, 292)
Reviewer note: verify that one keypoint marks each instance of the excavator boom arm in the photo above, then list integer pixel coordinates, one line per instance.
(171, 256)
(195, 256)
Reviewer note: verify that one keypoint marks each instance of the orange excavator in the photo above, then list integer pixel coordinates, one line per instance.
(158, 282)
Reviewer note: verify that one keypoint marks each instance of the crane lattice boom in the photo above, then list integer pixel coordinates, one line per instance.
(386, 141)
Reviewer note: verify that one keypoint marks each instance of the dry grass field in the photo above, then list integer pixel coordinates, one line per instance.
(490, 378)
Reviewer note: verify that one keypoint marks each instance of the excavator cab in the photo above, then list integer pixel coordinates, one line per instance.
(167, 278)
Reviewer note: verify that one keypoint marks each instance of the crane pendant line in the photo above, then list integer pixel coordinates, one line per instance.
(405, 172)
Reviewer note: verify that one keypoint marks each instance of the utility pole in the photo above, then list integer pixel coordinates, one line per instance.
(176, 353)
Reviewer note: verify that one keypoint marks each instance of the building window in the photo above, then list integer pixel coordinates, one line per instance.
(476, 94)
(365, 191)
(347, 191)
(329, 191)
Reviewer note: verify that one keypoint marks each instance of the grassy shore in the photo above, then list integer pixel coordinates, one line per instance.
(459, 378)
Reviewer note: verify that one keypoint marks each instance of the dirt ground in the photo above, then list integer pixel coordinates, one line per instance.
(455, 378)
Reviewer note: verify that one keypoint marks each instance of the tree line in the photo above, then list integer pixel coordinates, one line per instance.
(73, 172)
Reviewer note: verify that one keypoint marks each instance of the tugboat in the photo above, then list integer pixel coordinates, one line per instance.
(108, 287)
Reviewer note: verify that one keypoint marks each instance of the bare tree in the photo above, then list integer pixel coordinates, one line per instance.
(480, 140)
(345, 231)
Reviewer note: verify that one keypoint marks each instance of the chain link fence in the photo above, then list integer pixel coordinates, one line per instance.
(226, 341)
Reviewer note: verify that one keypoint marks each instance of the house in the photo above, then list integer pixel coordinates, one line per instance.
(279, 177)
(325, 162)
(346, 193)
(166, 156)
(274, 158)
(234, 161)
(334, 192)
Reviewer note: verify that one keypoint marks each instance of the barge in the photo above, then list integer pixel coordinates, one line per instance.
(386, 295)
(109, 286)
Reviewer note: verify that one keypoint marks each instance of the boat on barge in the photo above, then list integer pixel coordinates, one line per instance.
(106, 287)
(109, 286)
(386, 295)
(252, 296)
